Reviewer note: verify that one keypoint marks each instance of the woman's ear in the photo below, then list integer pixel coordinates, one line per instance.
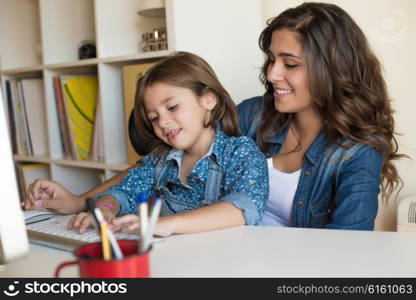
(209, 100)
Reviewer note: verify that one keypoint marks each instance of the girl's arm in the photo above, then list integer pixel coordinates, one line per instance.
(121, 198)
(212, 217)
(53, 196)
(83, 220)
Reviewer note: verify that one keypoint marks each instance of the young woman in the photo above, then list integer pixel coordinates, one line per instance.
(325, 122)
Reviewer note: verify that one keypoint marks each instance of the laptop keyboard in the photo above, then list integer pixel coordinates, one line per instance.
(46, 231)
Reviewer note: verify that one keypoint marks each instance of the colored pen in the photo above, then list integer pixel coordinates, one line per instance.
(91, 207)
(144, 246)
(105, 242)
(111, 238)
(142, 201)
(99, 218)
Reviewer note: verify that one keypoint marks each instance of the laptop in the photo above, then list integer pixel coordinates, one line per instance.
(46, 229)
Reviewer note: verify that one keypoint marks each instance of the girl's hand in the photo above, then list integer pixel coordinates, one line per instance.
(53, 196)
(84, 220)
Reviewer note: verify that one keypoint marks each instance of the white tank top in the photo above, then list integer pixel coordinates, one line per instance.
(282, 189)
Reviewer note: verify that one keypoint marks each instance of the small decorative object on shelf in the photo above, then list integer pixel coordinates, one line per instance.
(155, 40)
(86, 50)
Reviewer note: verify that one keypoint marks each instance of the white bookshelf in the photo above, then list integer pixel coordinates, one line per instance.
(40, 39)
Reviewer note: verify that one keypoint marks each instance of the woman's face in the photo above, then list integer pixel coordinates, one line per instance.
(287, 73)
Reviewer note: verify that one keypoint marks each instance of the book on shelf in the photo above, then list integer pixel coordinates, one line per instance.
(80, 93)
(131, 74)
(34, 97)
(20, 120)
(97, 148)
(62, 121)
(25, 114)
(10, 117)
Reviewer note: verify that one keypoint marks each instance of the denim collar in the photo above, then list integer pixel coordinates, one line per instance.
(315, 151)
(216, 148)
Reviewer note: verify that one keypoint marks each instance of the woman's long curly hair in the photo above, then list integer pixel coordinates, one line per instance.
(345, 82)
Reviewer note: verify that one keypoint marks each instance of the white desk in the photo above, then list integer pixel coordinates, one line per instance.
(259, 252)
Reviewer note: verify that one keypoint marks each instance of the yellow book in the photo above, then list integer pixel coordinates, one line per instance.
(80, 97)
(28, 172)
(131, 74)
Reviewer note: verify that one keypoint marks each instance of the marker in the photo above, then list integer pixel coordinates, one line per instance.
(102, 226)
(104, 241)
(99, 218)
(111, 238)
(91, 208)
(142, 201)
(144, 246)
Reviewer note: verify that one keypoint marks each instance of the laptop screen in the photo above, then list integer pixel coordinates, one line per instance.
(13, 236)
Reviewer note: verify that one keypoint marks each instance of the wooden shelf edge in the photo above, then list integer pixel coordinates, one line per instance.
(88, 62)
(24, 158)
(71, 163)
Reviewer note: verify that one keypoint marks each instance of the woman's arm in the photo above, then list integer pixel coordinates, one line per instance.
(356, 197)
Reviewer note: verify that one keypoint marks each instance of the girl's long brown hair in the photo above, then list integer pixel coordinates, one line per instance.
(345, 83)
(187, 70)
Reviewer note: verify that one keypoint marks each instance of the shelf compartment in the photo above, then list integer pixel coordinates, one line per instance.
(77, 180)
(73, 20)
(120, 28)
(19, 26)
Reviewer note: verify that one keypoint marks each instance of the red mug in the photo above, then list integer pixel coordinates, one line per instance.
(91, 263)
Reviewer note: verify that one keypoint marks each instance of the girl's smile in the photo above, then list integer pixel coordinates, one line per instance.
(172, 134)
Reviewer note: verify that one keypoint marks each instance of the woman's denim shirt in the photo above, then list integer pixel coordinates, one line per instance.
(338, 188)
(234, 170)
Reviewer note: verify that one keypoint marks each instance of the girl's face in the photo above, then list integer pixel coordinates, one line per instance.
(178, 115)
(287, 73)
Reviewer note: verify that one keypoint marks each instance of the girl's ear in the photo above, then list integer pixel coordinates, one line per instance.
(209, 100)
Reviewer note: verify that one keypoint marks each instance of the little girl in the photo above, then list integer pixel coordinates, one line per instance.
(207, 177)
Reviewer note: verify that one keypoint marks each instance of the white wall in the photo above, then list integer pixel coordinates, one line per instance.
(235, 26)
(390, 26)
